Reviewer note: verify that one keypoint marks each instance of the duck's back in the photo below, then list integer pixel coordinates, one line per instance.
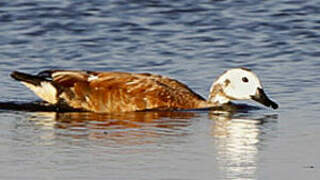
(118, 91)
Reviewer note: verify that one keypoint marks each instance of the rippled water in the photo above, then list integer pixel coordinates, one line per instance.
(192, 41)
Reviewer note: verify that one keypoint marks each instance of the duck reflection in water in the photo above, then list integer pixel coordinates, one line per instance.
(149, 123)
(237, 138)
(123, 128)
(237, 135)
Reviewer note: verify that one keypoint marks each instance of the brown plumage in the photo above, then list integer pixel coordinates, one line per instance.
(111, 91)
(122, 92)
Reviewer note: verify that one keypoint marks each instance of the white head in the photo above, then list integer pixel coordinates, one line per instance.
(238, 84)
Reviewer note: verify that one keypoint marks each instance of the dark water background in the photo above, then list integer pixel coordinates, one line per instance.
(192, 41)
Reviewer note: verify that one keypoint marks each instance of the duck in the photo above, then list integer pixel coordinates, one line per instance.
(115, 92)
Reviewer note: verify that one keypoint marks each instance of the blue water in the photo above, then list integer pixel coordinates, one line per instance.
(191, 41)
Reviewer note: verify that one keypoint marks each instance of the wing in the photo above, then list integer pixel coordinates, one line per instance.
(119, 91)
(172, 83)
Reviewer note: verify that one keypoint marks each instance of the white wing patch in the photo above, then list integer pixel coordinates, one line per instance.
(92, 77)
(45, 91)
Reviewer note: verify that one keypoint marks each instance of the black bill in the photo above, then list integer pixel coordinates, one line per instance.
(262, 98)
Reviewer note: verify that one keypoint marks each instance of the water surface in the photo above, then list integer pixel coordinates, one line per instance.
(192, 41)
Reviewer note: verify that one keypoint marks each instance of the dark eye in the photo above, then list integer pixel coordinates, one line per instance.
(245, 79)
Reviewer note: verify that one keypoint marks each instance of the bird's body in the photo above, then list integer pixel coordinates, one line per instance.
(111, 92)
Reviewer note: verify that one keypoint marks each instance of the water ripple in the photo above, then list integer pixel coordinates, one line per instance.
(192, 41)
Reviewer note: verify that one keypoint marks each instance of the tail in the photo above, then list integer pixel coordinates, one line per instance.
(27, 78)
(41, 86)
